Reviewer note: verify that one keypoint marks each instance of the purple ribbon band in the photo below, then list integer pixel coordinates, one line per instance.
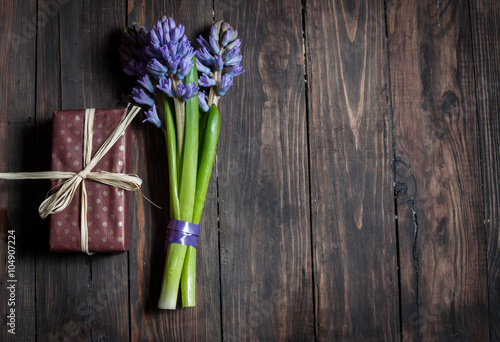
(182, 232)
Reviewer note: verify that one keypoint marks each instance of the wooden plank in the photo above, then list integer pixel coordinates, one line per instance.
(485, 15)
(17, 205)
(201, 323)
(78, 67)
(443, 262)
(351, 180)
(265, 237)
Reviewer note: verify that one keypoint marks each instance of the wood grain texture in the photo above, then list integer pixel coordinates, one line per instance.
(443, 261)
(79, 297)
(354, 231)
(485, 15)
(266, 268)
(17, 129)
(148, 323)
(350, 112)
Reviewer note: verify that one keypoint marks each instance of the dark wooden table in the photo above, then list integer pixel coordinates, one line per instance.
(356, 189)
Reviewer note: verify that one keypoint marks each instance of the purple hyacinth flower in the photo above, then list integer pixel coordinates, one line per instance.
(226, 37)
(235, 35)
(190, 91)
(173, 49)
(158, 28)
(177, 34)
(206, 81)
(203, 43)
(165, 52)
(205, 57)
(214, 31)
(202, 101)
(173, 63)
(170, 24)
(145, 81)
(165, 85)
(180, 91)
(202, 68)
(184, 67)
(156, 68)
(153, 51)
(132, 50)
(228, 54)
(140, 96)
(225, 26)
(134, 68)
(234, 44)
(233, 57)
(233, 61)
(226, 83)
(219, 62)
(213, 44)
(185, 49)
(153, 37)
(235, 71)
(152, 116)
(169, 41)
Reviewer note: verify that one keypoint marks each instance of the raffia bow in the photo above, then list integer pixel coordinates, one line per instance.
(59, 200)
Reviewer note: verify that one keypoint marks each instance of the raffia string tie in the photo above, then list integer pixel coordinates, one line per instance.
(59, 200)
(83, 174)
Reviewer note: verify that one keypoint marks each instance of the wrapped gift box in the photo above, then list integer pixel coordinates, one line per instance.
(108, 207)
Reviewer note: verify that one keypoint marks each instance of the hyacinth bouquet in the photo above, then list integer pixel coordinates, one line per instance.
(182, 85)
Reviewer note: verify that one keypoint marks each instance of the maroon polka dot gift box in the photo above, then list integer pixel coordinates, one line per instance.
(107, 207)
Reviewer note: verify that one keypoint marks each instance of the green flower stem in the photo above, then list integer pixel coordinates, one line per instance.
(190, 154)
(188, 189)
(207, 156)
(180, 121)
(171, 276)
(173, 164)
(188, 278)
(175, 252)
(203, 124)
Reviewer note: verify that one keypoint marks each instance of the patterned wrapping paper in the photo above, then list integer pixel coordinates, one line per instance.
(107, 214)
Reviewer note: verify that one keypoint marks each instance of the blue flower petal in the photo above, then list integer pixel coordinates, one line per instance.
(177, 34)
(146, 83)
(233, 61)
(226, 38)
(190, 91)
(154, 37)
(140, 96)
(134, 68)
(202, 101)
(205, 57)
(152, 116)
(235, 71)
(170, 24)
(206, 81)
(180, 91)
(202, 68)
(203, 43)
(213, 44)
(234, 44)
(165, 85)
(214, 31)
(173, 63)
(219, 62)
(226, 83)
(156, 68)
(184, 67)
